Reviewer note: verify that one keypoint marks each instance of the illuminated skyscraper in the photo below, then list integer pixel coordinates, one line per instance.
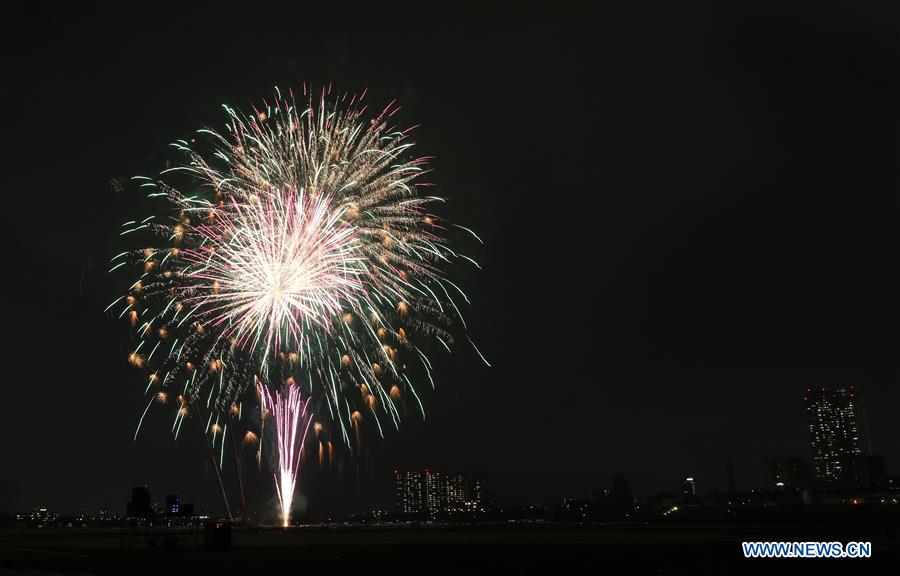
(839, 435)
(408, 491)
(435, 498)
(455, 492)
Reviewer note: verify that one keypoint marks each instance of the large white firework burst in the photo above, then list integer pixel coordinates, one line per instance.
(302, 248)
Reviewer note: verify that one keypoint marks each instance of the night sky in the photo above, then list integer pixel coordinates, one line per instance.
(689, 217)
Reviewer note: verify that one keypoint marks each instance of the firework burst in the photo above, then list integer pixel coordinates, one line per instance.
(299, 243)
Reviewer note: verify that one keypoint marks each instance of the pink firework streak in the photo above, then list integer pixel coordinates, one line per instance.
(291, 425)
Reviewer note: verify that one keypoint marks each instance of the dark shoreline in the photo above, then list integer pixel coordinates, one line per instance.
(611, 549)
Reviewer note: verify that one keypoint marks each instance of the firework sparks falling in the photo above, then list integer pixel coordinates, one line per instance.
(288, 411)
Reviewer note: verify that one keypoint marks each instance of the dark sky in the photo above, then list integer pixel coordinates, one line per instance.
(689, 217)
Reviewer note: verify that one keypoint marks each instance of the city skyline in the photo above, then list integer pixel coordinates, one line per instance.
(837, 429)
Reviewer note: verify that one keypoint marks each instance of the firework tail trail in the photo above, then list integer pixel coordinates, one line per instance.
(237, 468)
(215, 465)
(291, 421)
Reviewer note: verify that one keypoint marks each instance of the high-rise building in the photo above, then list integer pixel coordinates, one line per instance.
(437, 493)
(173, 505)
(454, 492)
(140, 502)
(435, 499)
(477, 499)
(839, 435)
(408, 490)
(622, 495)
